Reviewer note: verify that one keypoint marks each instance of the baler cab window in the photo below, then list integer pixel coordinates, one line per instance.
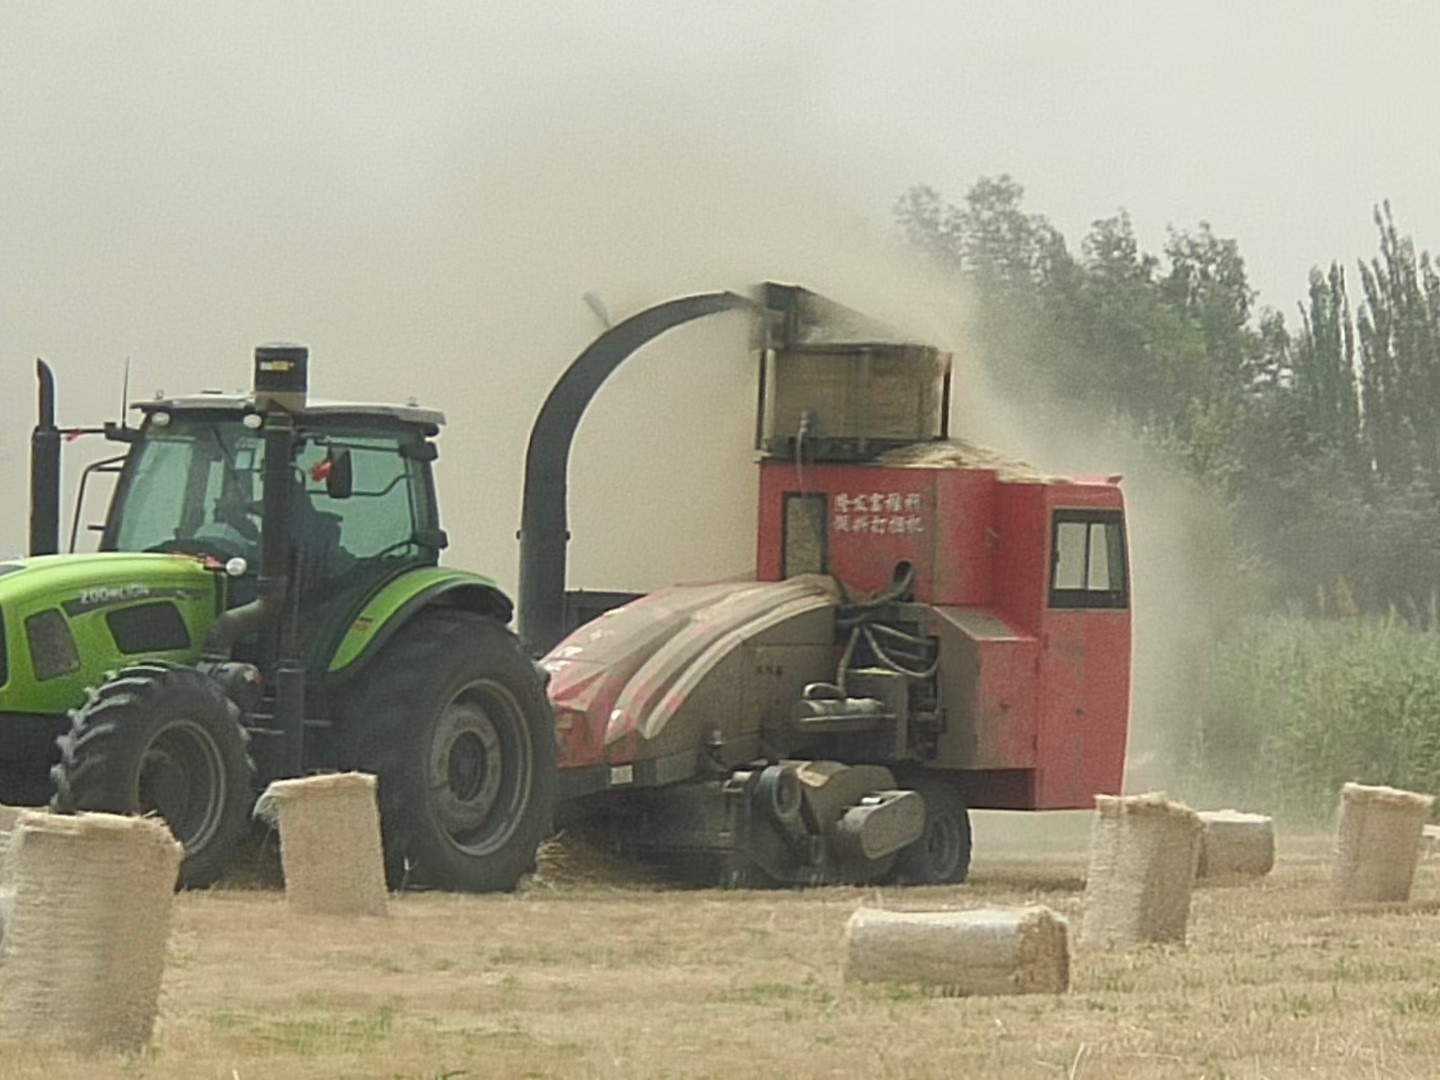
(1087, 560)
(804, 543)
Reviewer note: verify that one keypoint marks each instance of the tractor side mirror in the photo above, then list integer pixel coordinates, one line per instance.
(340, 476)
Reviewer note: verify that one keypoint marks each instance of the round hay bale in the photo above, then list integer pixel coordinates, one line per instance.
(1236, 844)
(9, 816)
(991, 951)
(1377, 844)
(1143, 854)
(330, 846)
(84, 945)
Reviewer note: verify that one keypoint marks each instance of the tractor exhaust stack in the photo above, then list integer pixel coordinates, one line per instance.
(45, 470)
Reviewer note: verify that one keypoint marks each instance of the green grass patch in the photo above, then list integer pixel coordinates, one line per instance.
(307, 1034)
(1290, 709)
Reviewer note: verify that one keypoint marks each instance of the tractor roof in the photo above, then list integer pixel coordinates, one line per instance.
(242, 402)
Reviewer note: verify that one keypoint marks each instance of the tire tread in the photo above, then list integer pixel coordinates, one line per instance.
(102, 732)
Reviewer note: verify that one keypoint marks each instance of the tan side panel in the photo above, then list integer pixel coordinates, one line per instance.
(733, 679)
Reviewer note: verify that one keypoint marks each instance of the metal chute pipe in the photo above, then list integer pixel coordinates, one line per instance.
(45, 470)
(544, 521)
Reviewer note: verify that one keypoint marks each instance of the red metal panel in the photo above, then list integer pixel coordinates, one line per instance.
(1021, 553)
(1085, 684)
(964, 570)
(770, 519)
(1085, 707)
(1005, 720)
(877, 517)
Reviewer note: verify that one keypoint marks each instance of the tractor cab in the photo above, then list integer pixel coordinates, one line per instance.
(363, 505)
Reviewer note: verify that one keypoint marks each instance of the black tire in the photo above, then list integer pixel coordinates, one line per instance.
(942, 854)
(165, 740)
(452, 717)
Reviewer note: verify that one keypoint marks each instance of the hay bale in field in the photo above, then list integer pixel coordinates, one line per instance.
(995, 951)
(84, 944)
(1143, 854)
(330, 845)
(9, 815)
(9, 818)
(1377, 844)
(1235, 844)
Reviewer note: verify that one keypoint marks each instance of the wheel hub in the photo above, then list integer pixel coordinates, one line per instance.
(182, 780)
(468, 767)
(943, 844)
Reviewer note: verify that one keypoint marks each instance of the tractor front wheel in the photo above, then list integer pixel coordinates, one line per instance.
(162, 740)
(453, 719)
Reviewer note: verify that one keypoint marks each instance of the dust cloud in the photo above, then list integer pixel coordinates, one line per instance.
(448, 264)
(1182, 560)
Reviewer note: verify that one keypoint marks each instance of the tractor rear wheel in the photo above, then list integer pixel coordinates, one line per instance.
(452, 717)
(942, 854)
(163, 740)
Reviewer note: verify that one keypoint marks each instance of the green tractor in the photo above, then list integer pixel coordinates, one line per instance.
(268, 602)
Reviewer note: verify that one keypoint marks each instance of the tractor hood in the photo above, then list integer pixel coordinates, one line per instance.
(100, 580)
(67, 619)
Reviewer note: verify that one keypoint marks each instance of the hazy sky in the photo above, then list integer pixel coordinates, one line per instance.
(423, 192)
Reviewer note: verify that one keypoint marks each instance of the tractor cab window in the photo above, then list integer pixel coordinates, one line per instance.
(1087, 560)
(193, 484)
(381, 514)
(189, 485)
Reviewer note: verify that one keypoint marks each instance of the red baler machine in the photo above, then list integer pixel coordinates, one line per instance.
(930, 629)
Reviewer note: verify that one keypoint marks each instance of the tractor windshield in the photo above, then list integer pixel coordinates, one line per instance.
(193, 484)
(190, 485)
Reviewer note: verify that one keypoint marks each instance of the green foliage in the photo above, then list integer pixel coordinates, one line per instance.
(1164, 347)
(1324, 445)
(1321, 446)
(1399, 331)
(1294, 707)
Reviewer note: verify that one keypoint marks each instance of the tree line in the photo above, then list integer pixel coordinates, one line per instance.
(1321, 437)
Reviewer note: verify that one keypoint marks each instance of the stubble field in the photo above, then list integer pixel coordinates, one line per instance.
(585, 974)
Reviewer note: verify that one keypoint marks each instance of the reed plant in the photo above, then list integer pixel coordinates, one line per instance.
(1290, 708)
